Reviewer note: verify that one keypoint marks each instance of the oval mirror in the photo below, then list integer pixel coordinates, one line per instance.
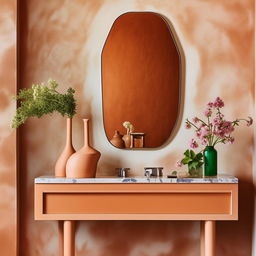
(141, 79)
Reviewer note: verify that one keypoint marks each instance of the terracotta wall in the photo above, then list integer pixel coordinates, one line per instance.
(7, 135)
(63, 40)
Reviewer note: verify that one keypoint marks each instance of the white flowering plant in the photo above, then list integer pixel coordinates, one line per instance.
(129, 127)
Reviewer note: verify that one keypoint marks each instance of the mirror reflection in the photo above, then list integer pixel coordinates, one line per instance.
(140, 81)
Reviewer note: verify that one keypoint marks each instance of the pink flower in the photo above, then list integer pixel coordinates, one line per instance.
(187, 125)
(204, 131)
(222, 128)
(227, 123)
(198, 134)
(193, 144)
(216, 121)
(210, 104)
(227, 127)
(204, 141)
(218, 103)
(216, 133)
(250, 121)
(208, 112)
(230, 140)
(229, 130)
(221, 134)
(215, 129)
(195, 120)
(178, 164)
(202, 125)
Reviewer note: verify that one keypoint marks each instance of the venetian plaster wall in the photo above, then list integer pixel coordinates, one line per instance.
(63, 40)
(8, 201)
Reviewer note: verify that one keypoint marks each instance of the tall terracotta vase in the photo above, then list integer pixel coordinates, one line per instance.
(60, 166)
(83, 163)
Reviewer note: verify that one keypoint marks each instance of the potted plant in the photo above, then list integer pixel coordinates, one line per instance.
(194, 162)
(42, 99)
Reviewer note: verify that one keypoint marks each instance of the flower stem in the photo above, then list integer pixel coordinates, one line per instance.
(192, 124)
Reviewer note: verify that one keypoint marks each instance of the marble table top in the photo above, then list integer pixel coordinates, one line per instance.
(218, 179)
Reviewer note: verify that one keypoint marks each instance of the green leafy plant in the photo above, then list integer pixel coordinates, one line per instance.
(193, 160)
(42, 99)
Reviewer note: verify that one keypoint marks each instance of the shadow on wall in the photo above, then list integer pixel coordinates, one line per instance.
(110, 164)
(238, 233)
(22, 192)
(140, 238)
(182, 81)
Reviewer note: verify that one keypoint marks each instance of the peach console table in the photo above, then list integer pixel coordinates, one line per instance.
(68, 200)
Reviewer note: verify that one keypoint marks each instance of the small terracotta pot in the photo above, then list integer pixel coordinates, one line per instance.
(83, 164)
(60, 166)
(117, 140)
(127, 140)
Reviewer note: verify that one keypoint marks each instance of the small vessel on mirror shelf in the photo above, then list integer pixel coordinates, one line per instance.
(137, 139)
(117, 140)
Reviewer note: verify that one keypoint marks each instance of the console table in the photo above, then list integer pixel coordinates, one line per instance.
(203, 199)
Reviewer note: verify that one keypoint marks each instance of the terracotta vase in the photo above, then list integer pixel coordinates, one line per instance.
(127, 140)
(60, 166)
(83, 163)
(117, 140)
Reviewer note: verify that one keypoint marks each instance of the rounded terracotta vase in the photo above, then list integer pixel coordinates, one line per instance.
(117, 140)
(83, 163)
(60, 166)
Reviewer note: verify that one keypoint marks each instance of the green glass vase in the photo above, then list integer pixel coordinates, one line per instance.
(210, 161)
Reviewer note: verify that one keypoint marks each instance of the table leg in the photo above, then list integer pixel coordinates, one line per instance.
(202, 238)
(69, 238)
(60, 230)
(210, 230)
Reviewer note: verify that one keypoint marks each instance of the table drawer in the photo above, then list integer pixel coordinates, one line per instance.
(155, 201)
(137, 203)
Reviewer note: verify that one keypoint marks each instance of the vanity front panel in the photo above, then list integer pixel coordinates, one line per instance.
(136, 201)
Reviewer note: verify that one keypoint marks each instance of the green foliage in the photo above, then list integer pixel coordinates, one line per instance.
(193, 160)
(43, 99)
